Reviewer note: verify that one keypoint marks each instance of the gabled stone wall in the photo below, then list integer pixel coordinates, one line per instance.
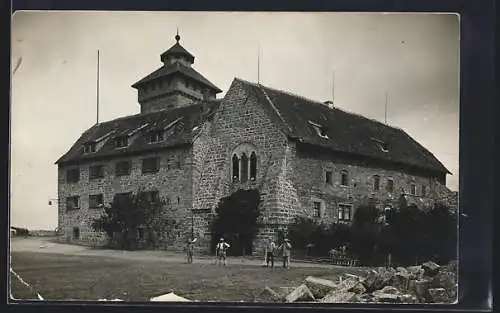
(239, 120)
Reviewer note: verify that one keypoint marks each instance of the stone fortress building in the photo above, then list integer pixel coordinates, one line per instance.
(189, 148)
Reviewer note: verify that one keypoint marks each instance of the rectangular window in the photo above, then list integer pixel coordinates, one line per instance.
(73, 175)
(413, 189)
(390, 185)
(96, 171)
(155, 136)
(123, 194)
(376, 183)
(96, 201)
(150, 165)
(152, 196)
(72, 203)
(344, 179)
(89, 147)
(424, 190)
(121, 141)
(122, 168)
(344, 212)
(328, 177)
(317, 209)
(76, 233)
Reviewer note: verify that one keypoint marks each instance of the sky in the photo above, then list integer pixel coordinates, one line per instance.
(354, 58)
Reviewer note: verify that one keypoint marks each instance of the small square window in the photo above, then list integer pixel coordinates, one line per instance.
(89, 147)
(96, 171)
(150, 165)
(96, 201)
(122, 168)
(121, 141)
(344, 212)
(155, 136)
(72, 203)
(73, 175)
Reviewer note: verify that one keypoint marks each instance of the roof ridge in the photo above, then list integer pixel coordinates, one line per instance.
(194, 103)
(316, 102)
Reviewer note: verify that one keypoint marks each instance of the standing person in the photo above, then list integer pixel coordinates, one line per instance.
(190, 251)
(286, 248)
(270, 250)
(221, 250)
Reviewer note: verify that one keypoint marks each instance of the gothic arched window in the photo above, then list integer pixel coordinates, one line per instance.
(244, 168)
(243, 164)
(253, 166)
(236, 168)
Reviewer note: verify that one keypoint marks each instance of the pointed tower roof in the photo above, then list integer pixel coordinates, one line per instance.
(177, 50)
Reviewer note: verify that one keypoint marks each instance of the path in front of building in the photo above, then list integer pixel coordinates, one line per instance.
(47, 245)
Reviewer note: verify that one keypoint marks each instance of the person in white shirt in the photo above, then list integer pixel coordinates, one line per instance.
(221, 250)
(270, 250)
(286, 248)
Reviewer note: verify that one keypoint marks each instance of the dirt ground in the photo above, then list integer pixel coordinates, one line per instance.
(68, 272)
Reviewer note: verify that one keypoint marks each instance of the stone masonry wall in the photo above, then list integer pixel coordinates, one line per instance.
(289, 180)
(309, 181)
(173, 183)
(239, 120)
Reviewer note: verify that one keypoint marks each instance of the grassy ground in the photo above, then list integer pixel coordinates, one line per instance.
(81, 277)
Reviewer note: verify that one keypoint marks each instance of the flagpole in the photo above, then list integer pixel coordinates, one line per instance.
(333, 87)
(258, 64)
(386, 99)
(97, 89)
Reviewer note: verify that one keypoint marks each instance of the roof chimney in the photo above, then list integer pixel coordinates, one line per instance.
(329, 103)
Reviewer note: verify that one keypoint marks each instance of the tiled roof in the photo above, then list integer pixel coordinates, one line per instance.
(181, 122)
(177, 67)
(345, 132)
(177, 49)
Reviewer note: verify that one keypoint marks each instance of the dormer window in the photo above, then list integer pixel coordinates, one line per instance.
(155, 136)
(344, 178)
(89, 147)
(320, 130)
(121, 141)
(382, 145)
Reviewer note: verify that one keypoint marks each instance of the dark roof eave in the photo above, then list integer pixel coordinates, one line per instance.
(140, 83)
(304, 142)
(115, 154)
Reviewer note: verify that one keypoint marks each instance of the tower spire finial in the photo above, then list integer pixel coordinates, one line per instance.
(177, 37)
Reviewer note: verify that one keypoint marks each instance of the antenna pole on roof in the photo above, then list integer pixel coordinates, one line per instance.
(97, 92)
(258, 64)
(386, 100)
(333, 88)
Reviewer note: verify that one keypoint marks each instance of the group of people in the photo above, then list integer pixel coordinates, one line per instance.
(272, 250)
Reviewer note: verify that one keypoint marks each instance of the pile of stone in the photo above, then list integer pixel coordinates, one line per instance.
(427, 283)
